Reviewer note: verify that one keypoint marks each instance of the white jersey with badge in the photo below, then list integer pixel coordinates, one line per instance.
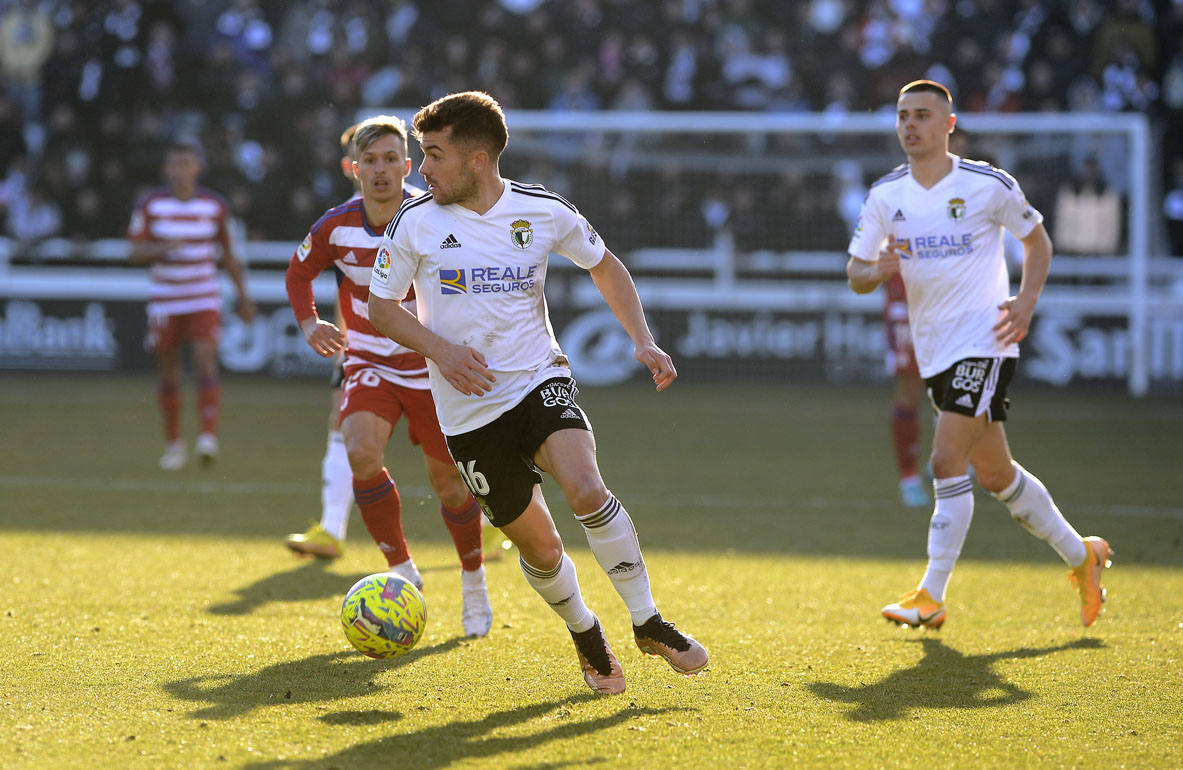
(950, 241)
(479, 282)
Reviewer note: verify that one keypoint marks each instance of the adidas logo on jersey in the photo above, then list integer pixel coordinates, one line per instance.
(350, 258)
(450, 242)
(965, 401)
(898, 216)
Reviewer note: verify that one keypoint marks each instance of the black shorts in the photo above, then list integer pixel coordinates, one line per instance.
(496, 460)
(973, 386)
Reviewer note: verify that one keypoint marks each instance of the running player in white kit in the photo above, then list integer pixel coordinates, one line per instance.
(938, 222)
(475, 248)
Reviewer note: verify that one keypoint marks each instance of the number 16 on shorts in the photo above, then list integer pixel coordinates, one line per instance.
(473, 479)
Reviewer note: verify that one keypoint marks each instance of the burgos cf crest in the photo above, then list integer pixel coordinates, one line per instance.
(521, 233)
(453, 282)
(956, 208)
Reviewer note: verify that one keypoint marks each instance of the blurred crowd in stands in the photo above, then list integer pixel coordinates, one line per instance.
(90, 91)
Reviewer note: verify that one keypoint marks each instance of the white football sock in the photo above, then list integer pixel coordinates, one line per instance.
(951, 516)
(559, 587)
(336, 487)
(472, 578)
(1032, 506)
(613, 541)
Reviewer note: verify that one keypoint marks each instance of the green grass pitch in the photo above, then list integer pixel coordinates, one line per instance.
(155, 620)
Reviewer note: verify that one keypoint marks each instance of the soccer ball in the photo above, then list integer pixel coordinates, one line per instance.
(383, 615)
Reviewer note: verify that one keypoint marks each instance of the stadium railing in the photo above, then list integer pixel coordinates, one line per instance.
(1133, 289)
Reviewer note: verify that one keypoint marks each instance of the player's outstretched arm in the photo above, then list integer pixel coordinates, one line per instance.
(616, 285)
(1018, 310)
(464, 368)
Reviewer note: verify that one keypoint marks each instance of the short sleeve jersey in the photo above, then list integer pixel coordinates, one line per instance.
(950, 240)
(343, 239)
(479, 281)
(186, 279)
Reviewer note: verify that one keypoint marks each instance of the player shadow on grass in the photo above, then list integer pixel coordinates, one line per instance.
(446, 744)
(328, 677)
(944, 678)
(308, 581)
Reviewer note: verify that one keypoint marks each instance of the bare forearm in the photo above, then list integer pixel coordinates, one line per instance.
(863, 276)
(393, 320)
(464, 368)
(616, 285)
(1037, 263)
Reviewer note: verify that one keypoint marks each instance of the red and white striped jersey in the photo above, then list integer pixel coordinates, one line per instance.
(343, 239)
(186, 279)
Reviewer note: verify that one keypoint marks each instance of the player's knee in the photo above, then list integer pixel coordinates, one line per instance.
(585, 494)
(946, 465)
(453, 493)
(541, 553)
(446, 483)
(995, 479)
(364, 461)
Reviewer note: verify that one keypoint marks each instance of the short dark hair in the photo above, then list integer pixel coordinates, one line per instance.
(473, 115)
(929, 86)
(372, 129)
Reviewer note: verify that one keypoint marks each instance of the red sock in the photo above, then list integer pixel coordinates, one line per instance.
(169, 396)
(905, 434)
(209, 399)
(381, 510)
(465, 527)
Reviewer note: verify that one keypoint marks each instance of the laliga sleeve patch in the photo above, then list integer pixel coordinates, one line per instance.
(382, 264)
(304, 248)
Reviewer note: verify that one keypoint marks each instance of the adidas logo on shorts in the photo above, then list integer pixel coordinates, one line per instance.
(965, 401)
(570, 414)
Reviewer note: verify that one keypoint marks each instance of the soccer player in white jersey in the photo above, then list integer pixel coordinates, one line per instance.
(181, 232)
(938, 221)
(475, 250)
(384, 381)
